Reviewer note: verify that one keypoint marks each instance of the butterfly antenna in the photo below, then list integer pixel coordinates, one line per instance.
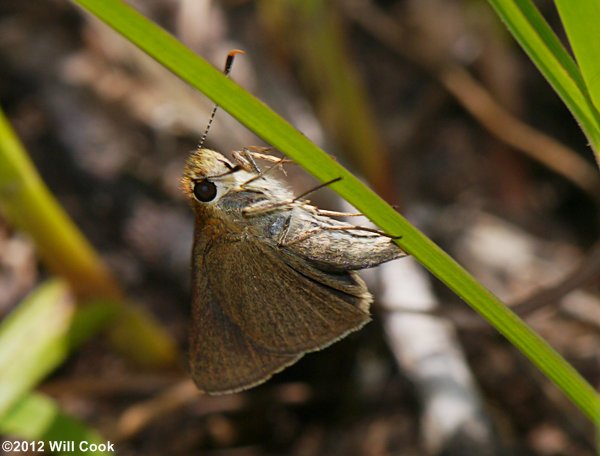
(228, 64)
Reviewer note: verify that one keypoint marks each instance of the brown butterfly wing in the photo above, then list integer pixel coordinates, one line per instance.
(282, 304)
(223, 358)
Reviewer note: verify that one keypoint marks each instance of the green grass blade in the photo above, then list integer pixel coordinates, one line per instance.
(581, 20)
(545, 50)
(274, 130)
(36, 417)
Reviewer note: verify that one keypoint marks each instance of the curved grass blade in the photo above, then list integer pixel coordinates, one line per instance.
(546, 51)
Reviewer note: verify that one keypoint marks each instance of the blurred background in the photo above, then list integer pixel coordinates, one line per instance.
(435, 106)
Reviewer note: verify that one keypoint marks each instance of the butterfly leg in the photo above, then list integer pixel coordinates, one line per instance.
(262, 173)
(258, 152)
(261, 208)
(264, 207)
(248, 156)
(245, 159)
(338, 214)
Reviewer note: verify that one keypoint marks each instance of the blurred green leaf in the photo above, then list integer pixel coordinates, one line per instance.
(29, 206)
(37, 417)
(33, 340)
(40, 333)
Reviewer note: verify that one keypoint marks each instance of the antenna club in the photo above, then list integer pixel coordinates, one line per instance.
(229, 61)
(235, 52)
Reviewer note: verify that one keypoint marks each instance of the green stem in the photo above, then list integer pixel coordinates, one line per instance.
(27, 203)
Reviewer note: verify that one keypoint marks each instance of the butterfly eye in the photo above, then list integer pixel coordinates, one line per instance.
(205, 191)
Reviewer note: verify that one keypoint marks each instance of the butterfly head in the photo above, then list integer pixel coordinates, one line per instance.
(208, 176)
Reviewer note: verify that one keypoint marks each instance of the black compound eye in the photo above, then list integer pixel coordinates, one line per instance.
(205, 191)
